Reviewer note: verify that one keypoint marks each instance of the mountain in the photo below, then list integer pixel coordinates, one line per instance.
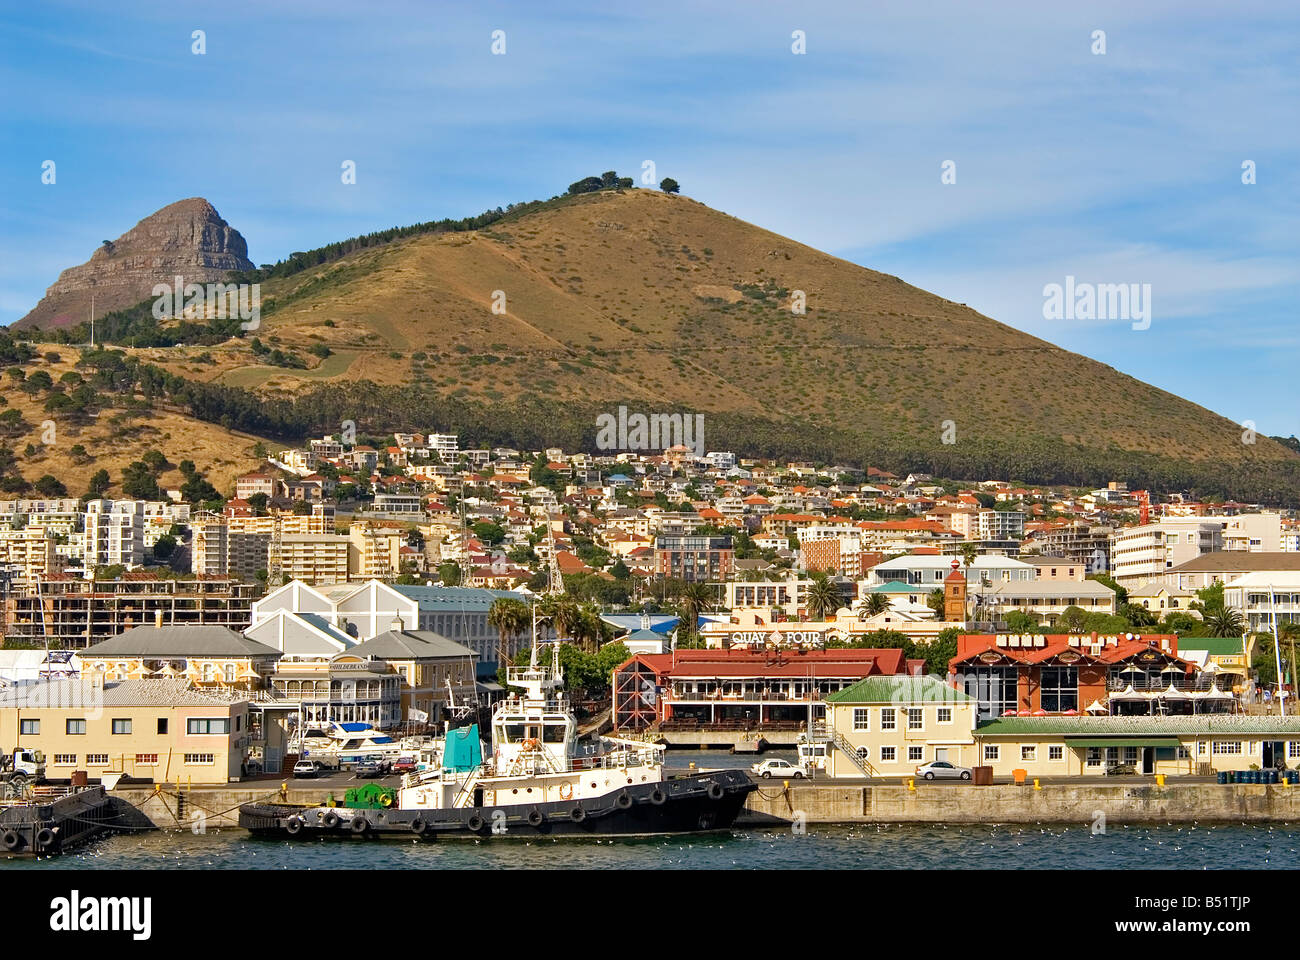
(187, 238)
(659, 303)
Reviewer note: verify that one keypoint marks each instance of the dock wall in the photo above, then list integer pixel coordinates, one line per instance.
(1009, 803)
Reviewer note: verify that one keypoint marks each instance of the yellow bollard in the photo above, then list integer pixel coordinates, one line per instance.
(1160, 779)
(1037, 785)
(911, 784)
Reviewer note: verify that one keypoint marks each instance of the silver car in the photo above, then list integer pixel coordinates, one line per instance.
(942, 770)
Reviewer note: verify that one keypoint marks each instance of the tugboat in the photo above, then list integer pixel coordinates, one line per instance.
(537, 780)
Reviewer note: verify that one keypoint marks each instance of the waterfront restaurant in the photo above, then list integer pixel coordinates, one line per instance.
(741, 689)
(1072, 674)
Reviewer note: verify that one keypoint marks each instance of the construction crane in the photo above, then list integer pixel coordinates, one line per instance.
(1144, 506)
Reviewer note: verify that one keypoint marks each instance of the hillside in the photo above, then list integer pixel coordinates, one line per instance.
(666, 305)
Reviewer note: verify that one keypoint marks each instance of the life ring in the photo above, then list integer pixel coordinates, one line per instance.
(12, 839)
(359, 825)
(715, 791)
(45, 837)
(475, 823)
(566, 791)
(330, 820)
(293, 825)
(418, 826)
(658, 797)
(535, 817)
(578, 814)
(624, 800)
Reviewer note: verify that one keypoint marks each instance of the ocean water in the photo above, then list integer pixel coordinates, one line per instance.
(1019, 846)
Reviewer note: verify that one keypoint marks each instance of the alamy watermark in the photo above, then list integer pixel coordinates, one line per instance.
(1098, 301)
(656, 431)
(212, 301)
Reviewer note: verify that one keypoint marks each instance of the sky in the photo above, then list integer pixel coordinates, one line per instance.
(1115, 167)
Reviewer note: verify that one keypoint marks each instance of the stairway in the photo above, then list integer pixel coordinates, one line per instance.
(862, 763)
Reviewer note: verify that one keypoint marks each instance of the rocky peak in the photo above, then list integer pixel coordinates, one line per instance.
(187, 238)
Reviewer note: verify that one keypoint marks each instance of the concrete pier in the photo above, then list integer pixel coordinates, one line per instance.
(1008, 803)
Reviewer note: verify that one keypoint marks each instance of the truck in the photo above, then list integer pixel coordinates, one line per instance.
(22, 766)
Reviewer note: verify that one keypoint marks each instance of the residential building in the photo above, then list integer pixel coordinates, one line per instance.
(1147, 552)
(694, 559)
(1047, 600)
(316, 558)
(889, 725)
(1225, 566)
(28, 556)
(157, 730)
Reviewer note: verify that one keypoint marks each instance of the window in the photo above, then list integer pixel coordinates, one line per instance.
(1183, 753)
(30, 728)
(65, 759)
(121, 726)
(861, 718)
(992, 752)
(1226, 747)
(1200, 747)
(1130, 754)
(199, 759)
(888, 754)
(915, 718)
(146, 759)
(76, 728)
(1028, 753)
(945, 714)
(1056, 753)
(1060, 689)
(916, 754)
(230, 673)
(208, 727)
(1094, 757)
(864, 753)
(96, 759)
(887, 721)
(162, 724)
(1293, 750)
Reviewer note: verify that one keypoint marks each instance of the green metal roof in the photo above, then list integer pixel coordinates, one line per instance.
(1215, 646)
(898, 586)
(1207, 724)
(899, 690)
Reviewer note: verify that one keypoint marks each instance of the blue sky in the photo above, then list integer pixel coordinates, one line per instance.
(1115, 168)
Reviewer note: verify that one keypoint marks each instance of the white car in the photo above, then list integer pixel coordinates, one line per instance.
(777, 768)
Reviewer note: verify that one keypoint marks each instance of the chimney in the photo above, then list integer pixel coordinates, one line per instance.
(396, 626)
(157, 618)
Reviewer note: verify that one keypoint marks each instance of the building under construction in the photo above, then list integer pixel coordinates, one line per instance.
(66, 612)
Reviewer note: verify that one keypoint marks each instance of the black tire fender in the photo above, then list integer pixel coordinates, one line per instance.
(475, 823)
(359, 825)
(535, 817)
(11, 839)
(715, 791)
(330, 820)
(418, 826)
(658, 797)
(293, 825)
(623, 801)
(578, 814)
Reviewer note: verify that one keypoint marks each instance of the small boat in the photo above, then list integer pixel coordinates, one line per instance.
(536, 779)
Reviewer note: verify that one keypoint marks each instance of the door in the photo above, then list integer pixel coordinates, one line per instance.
(941, 754)
(1148, 759)
(272, 760)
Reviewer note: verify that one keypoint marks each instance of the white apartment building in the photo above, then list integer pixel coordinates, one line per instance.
(114, 533)
(1265, 597)
(1048, 599)
(445, 445)
(930, 570)
(1001, 525)
(1252, 532)
(28, 555)
(1138, 554)
(210, 547)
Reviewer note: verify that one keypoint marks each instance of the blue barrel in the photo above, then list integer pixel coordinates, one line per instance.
(1272, 776)
(1252, 776)
(1223, 776)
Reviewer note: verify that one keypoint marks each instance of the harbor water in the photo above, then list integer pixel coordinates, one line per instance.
(1047, 846)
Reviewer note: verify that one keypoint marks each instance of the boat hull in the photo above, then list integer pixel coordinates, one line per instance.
(697, 804)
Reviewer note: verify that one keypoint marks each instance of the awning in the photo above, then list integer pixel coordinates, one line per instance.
(1127, 742)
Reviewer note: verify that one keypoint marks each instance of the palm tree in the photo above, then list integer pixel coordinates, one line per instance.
(1223, 621)
(823, 598)
(1288, 631)
(692, 600)
(873, 604)
(968, 555)
(510, 618)
(935, 602)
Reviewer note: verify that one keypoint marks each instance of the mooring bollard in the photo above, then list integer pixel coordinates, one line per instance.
(1160, 779)
(911, 784)
(1037, 785)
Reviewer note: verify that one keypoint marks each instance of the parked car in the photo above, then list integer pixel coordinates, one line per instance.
(372, 768)
(308, 768)
(777, 768)
(942, 770)
(404, 765)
